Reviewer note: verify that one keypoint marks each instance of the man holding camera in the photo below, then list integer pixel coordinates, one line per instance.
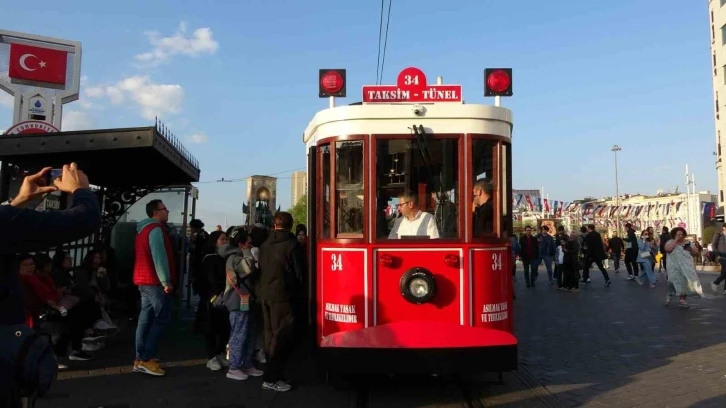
(24, 230)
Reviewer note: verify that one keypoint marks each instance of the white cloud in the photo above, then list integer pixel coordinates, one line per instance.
(153, 99)
(198, 138)
(6, 100)
(76, 120)
(200, 42)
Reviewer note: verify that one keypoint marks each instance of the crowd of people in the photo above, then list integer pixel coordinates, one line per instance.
(250, 284)
(568, 258)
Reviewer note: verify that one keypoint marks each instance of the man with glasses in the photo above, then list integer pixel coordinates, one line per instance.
(155, 274)
(413, 221)
(483, 208)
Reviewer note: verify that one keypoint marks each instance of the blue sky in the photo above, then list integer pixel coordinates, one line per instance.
(241, 90)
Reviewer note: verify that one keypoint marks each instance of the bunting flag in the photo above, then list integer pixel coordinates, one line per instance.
(546, 205)
(529, 202)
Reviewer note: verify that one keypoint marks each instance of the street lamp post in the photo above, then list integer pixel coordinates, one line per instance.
(615, 150)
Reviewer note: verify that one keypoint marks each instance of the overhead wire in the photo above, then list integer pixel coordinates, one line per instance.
(385, 41)
(380, 32)
(241, 179)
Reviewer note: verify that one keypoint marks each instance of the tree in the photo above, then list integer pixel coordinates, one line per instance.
(300, 211)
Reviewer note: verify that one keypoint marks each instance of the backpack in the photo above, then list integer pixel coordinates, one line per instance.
(27, 357)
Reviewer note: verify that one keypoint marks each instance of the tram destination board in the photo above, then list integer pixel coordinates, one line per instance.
(411, 86)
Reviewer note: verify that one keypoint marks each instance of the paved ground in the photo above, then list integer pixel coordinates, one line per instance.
(616, 346)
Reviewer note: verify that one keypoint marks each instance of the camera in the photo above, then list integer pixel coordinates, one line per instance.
(418, 110)
(52, 175)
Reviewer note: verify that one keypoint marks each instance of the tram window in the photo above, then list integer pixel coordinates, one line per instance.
(325, 170)
(483, 157)
(411, 178)
(349, 197)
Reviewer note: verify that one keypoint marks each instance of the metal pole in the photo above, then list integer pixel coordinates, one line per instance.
(688, 197)
(616, 149)
(183, 256)
(332, 102)
(497, 100)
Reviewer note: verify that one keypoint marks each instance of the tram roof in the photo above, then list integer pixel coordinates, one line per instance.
(441, 118)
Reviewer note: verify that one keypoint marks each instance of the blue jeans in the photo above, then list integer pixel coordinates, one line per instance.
(241, 341)
(154, 317)
(548, 265)
(647, 268)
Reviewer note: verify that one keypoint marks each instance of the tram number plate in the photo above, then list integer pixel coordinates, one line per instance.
(496, 261)
(336, 262)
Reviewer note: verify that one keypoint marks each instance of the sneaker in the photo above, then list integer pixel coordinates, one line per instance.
(714, 287)
(91, 347)
(237, 375)
(253, 372)
(631, 277)
(260, 356)
(640, 281)
(79, 355)
(213, 364)
(150, 367)
(279, 386)
(62, 366)
(608, 283)
(668, 300)
(102, 325)
(223, 360)
(652, 285)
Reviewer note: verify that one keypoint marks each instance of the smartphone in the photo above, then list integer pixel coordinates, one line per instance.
(52, 175)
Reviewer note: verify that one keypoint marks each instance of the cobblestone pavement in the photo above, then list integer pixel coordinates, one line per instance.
(617, 346)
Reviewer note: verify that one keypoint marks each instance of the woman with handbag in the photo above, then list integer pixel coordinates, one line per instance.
(644, 259)
(240, 268)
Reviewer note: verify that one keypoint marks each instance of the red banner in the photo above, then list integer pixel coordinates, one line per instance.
(411, 86)
(37, 64)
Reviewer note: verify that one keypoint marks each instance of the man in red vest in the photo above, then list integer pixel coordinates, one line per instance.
(154, 274)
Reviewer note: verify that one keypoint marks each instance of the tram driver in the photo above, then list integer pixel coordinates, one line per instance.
(413, 221)
(483, 207)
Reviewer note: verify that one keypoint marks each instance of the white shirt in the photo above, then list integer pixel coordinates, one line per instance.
(422, 224)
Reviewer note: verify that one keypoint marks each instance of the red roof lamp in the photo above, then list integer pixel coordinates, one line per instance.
(498, 82)
(332, 83)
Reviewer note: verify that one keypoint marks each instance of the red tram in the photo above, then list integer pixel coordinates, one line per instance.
(418, 293)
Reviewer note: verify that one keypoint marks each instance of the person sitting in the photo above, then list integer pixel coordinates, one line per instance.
(413, 221)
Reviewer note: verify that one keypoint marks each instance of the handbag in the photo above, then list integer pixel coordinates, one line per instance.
(645, 254)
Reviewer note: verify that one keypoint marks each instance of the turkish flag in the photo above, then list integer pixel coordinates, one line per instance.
(37, 64)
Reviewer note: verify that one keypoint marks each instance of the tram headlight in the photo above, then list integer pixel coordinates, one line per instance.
(418, 285)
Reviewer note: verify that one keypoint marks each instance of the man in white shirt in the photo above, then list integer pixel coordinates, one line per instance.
(413, 221)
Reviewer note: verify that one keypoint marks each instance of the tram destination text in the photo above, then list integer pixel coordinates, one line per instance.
(494, 312)
(340, 313)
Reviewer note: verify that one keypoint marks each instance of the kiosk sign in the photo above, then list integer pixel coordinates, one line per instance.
(411, 86)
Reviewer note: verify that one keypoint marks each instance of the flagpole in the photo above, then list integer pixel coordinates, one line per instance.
(688, 197)
(541, 194)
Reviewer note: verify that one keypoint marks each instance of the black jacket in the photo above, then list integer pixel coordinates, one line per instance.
(484, 219)
(25, 230)
(282, 265)
(616, 245)
(524, 240)
(633, 241)
(595, 246)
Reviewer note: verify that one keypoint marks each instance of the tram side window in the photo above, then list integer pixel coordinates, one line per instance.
(417, 188)
(325, 173)
(483, 156)
(349, 195)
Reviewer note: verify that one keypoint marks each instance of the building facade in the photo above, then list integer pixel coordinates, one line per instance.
(299, 186)
(717, 18)
(690, 211)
